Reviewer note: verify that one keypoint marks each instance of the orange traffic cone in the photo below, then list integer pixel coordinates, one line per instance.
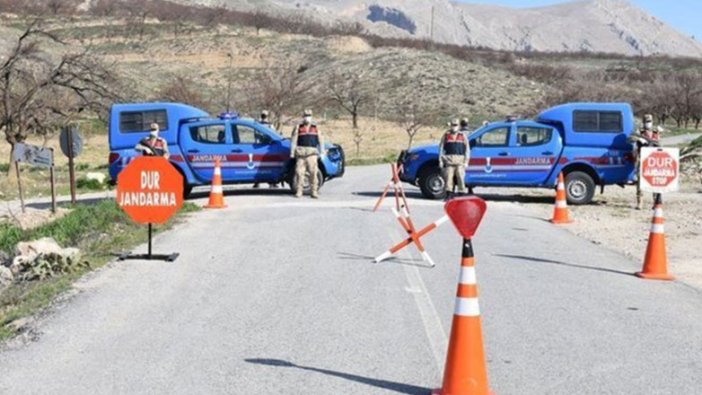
(216, 193)
(656, 263)
(560, 210)
(466, 372)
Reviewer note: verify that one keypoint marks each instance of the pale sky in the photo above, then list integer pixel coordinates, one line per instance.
(683, 15)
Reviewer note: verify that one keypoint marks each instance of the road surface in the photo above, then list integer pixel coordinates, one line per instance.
(276, 295)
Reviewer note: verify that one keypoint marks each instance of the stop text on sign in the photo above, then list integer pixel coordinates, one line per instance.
(660, 169)
(150, 195)
(150, 190)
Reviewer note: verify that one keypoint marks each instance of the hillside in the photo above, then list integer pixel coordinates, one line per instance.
(610, 26)
(455, 86)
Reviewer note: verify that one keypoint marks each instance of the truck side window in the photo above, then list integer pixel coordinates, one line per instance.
(249, 135)
(597, 121)
(139, 121)
(493, 138)
(208, 134)
(532, 136)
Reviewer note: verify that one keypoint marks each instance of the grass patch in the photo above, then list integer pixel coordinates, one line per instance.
(390, 158)
(90, 184)
(99, 230)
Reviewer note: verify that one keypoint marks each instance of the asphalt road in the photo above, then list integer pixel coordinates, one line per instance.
(279, 296)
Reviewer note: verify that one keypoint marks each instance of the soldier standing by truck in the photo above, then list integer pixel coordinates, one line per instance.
(453, 156)
(307, 144)
(465, 129)
(646, 137)
(263, 120)
(153, 145)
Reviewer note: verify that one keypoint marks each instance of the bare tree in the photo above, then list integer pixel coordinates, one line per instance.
(278, 90)
(41, 91)
(686, 89)
(347, 91)
(182, 89)
(259, 20)
(61, 6)
(106, 8)
(413, 114)
(137, 17)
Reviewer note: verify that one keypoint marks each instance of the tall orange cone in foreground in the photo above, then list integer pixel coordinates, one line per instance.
(560, 210)
(656, 262)
(466, 372)
(216, 193)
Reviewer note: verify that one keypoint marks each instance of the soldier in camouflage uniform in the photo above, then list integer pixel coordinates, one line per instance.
(465, 129)
(453, 157)
(153, 145)
(264, 120)
(645, 137)
(306, 146)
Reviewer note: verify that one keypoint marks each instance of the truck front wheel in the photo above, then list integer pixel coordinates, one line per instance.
(580, 188)
(432, 184)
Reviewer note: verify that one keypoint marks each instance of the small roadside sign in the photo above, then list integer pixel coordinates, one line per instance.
(33, 155)
(71, 142)
(660, 169)
(150, 190)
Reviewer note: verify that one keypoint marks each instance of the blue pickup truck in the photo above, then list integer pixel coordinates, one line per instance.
(585, 141)
(248, 151)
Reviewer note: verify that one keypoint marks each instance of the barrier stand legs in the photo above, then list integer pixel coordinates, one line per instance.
(398, 190)
(414, 238)
(149, 256)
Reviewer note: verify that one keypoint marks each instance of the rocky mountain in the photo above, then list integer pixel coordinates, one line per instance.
(614, 26)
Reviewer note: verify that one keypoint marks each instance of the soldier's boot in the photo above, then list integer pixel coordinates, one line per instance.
(448, 196)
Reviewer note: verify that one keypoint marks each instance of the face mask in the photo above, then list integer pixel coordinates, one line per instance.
(153, 134)
(454, 129)
(307, 120)
(648, 125)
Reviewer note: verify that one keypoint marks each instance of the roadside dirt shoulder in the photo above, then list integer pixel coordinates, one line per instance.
(614, 223)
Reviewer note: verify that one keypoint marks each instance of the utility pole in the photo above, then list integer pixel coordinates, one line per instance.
(431, 33)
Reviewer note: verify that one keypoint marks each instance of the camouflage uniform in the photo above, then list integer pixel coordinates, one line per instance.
(306, 144)
(153, 145)
(263, 120)
(645, 137)
(465, 129)
(453, 151)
